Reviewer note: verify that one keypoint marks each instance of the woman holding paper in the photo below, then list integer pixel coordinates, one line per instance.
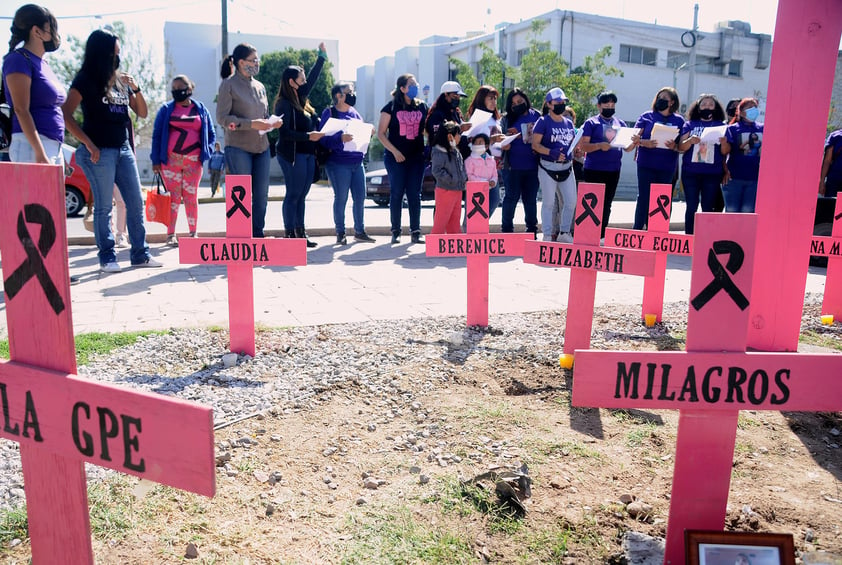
(485, 99)
(701, 169)
(345, 167)
(657, 154)
(296, 148)
(242, 109)
(742, 145)
(603, 160)
(551, 139)
(520, 164)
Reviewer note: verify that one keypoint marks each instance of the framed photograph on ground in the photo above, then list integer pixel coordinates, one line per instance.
(738, 548)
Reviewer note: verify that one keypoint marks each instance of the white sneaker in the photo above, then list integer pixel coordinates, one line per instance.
(172, 240)
(546, 237)
(564, 238)
(113, 267)
(149, 263)
(121, 241)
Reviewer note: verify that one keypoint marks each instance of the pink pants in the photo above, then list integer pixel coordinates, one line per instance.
(182, 174)
(446, 218)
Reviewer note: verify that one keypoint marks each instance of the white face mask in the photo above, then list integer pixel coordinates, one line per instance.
(453, 143)
(477, 150)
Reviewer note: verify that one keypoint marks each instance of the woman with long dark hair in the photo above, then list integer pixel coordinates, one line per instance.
(485, 99)
(520, 163)
(242, 109)
(401, 131)
(106, 154)
(33, 91)
(296, 149)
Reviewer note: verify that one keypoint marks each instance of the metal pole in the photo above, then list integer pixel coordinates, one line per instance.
(691, 81)
(224, 29)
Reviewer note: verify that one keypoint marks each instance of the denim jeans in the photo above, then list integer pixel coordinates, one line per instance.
(115, 166)
(610, 179)
(699, 186)
(240, 162)
(298, 177)
(740, 195)
(520, 185)
(645, 178)
(20, 151)
(405, 178)
(344, 178)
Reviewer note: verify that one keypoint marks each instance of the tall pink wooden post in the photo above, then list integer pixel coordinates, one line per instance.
(240, 252)
(832, 301)
(803, 64)
(660, 206)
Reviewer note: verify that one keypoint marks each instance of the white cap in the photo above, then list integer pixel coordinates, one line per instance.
(555, 94)
(452, 86)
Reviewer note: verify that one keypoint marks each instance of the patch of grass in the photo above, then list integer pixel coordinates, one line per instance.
(395, 536)
(4, 348)
(641, 434)
(498, 413)
(91, 344)
(546, 546)
(13, 525)
(111, 511)
(745, 422)
(821, 339)
(540, 450)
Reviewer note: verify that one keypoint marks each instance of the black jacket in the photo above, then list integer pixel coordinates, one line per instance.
(293, 135)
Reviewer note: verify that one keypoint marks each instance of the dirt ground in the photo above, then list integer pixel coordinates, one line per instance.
(356, 476)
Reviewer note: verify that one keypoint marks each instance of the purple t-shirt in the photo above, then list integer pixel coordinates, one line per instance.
(658, 158)
(702, 158)
(520, 154)
(834, 140)
(334, 142)
(554, 134)
(599, 130)
(746, 139)
(46, 95)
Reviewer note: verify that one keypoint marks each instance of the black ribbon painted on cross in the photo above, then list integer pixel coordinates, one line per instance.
(663, 200)
(237, 194)
(721, 278)
(477, 199)
(589, 200)
(839, 215)
(34, 265)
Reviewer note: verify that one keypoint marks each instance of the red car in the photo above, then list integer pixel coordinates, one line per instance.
(77, 190)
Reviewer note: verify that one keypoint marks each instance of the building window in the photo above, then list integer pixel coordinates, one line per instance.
(521, 53)
(735, 69)
(675, 59)
(638, 55)
(709, 65)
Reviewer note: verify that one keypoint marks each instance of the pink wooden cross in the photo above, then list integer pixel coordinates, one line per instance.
(585, 258)
(831, 247)
(713, 380)
(240, 252)
(477, 245)
(59, 419)
(657, 239)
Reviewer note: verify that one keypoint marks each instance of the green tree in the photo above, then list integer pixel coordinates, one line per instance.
(585, 82)
(492, 71)
(541, 68)
(467, 80)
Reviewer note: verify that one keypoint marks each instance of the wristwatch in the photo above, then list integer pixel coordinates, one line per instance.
(136, 90)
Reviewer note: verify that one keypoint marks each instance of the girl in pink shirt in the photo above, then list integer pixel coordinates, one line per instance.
(481, 165)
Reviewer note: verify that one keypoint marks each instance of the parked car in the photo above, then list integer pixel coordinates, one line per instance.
(77, 189)
(377, 186)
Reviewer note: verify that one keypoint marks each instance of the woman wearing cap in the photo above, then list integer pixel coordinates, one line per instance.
(520, 164)
(602, 160)
(656, 163)
(401, 131)
(742, 142)
(551, 139)
(445, 109)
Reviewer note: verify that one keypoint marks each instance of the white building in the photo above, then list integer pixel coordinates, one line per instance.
(731, 62)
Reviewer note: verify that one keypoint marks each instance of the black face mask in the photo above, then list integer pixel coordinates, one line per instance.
(181, 95)
(116, 62)
(706, 114)
(606, 112)
(558, 109)
(662, 104)
(350, 99)
(518, 109)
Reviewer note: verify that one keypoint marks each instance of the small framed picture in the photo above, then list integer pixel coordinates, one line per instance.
(738, 548)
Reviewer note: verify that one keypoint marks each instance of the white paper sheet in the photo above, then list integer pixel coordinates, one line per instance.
(712, 135)
(508, 140)
(623, 139)
(361, 131)
(479, 122)
(662, 133)
(273, 119)
(576, 139)
(333, 125)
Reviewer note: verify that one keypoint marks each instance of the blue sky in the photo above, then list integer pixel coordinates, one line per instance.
(366, 31)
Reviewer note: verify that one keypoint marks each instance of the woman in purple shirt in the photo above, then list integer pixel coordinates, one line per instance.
(520, 164)
(701, 168)
(656, 163)
(742, 145)
(32, 89)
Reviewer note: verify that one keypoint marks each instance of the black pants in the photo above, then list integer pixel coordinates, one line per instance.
(610, 179)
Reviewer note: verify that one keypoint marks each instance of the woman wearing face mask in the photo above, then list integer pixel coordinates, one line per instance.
(181, 143)
(106, 154)
(296, 148)
(701, 169)
(603, 161)
(446, 109)
(401, 131)
(520, 164)
(551, 138)
(486, 99)
(742, 142)
(345, 168)
(656, 164)
(33, 91)
(242, 109)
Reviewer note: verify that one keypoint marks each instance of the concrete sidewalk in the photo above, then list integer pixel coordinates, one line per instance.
(357, 282)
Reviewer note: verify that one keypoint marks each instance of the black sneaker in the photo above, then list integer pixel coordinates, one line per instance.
(363, 237)
(341, 239)
(396, 238)
(416, 237)
(74, 279)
